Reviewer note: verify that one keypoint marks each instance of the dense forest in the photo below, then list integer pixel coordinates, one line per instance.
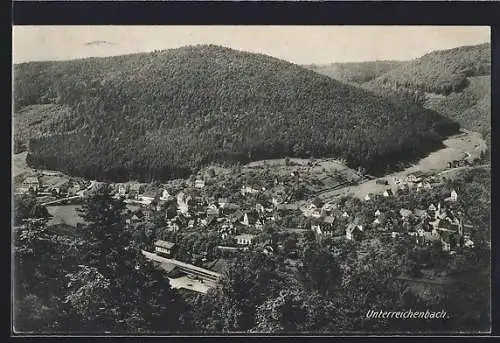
(163, 114)
(471, 107)
(455, 83)
(355, 72)
(440, 72)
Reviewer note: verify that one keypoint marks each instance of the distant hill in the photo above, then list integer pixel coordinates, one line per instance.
(163, 114)
(440, 72)
(355, 72)
(471, 107)
(454, 82)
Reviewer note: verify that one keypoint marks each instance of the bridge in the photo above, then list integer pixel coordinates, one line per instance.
(187, 268)
(57, 201)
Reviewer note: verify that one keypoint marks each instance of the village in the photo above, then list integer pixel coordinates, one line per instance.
(263, 213)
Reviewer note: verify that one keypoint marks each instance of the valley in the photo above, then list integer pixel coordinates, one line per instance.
(208, 189)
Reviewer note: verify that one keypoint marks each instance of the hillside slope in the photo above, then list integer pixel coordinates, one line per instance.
(455, 83)
(471, 107)
(440, 72)
(162, 114)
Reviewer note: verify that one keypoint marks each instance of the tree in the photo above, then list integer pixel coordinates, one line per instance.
(134, 295)
(26, 206)
(39, 277)
(294, 310)
(246, 283)
(321, 270)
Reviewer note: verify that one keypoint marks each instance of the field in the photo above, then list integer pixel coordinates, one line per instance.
(319, 175)
(65, 214)
(68, 214)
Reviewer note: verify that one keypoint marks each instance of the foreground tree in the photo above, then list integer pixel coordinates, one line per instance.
(247, 282)
(39, 268)
(126, 291)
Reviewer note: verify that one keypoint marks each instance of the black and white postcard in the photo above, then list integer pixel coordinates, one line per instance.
(209, 180)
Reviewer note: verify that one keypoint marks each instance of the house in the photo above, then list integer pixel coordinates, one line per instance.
(199, 183)
(421, 213)
(208, 221)
(405, 214)
(73, 190)
(424, 237)
(268, 250)
(412, 178)
(345, 215)
(367, 197)
(278, 199)
(328, 208)
(244, 239)
(31, 183)
(226, 206)
(137, 216)
(324, 226)
(259, 225)
(250, 218)
(388, 192)
(183, 203)
(453, 195)
(432, 207)
(173, 226)
(148, 213)
(377, 213)
(248, 190)
(260, 209)
(227, 249)
(376, 222)
(164, 248)
(354, 232)
(136, 188)
(212, 210)
(236, 216)
(286, 208)
(165, 195)
(121, 189)
(311, 211)
(148, 197)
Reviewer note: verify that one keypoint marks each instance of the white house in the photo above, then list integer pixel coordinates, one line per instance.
(164, 247)
(148, 197)
(367, 197)
(453, 195)
(199, 183)
(377, 213)
(165, 195)
(182, 203)
(244, 239)
(248, 190)
(388, 192)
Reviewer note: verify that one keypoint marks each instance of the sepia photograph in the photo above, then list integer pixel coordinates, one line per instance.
(251, 180)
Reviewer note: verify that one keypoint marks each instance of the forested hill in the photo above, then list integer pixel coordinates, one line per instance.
(162, 114)
(355, 72)
(440, 72)
(456, 83)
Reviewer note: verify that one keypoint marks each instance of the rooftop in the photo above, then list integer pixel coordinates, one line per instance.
(164, 244)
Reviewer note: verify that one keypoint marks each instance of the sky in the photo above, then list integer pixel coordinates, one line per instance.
(297, 44)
